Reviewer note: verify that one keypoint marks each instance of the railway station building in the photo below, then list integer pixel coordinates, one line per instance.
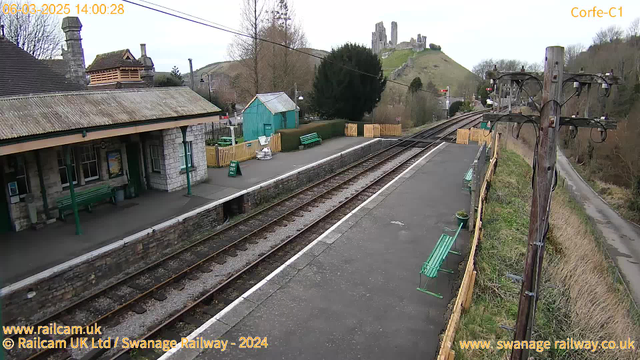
(118, 140)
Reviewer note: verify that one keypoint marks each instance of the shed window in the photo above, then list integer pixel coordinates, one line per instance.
(89, 162)
(62, 169)
(156, 158)
(189, 155)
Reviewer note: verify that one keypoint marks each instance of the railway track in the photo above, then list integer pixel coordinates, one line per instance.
(174, 272)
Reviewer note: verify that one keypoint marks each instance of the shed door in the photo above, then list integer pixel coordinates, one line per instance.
(268, 130)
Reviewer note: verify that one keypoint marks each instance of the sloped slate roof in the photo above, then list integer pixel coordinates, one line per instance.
(276, 102)
(22, 116)
(111, 60)
(57, 65)
(21, 73)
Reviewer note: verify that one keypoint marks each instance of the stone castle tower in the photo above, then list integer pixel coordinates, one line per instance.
(394, 34)
(74, 54)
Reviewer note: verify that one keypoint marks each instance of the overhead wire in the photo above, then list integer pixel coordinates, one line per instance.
(213, 25)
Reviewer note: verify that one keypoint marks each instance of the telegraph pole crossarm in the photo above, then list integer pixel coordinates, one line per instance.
(547, 124)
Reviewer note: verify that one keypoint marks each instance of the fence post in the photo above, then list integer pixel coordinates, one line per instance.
(474, 192)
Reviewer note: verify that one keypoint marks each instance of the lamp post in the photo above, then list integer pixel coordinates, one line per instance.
(208, 83)
(297, 97)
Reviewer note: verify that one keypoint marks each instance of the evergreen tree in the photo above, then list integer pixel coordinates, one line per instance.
(341, 92)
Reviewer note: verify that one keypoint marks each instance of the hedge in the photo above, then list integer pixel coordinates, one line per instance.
(326, 129)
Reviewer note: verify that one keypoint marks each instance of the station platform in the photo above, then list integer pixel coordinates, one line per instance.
(352, 292)
(30, 252)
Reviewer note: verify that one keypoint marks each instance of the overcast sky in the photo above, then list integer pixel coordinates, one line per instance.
(468, 31)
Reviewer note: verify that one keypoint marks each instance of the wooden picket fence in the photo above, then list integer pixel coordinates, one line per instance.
(350, 129)
(222, 156)
(465, 293)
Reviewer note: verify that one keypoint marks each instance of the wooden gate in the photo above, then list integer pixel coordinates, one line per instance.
(372, 130)
(350, 130)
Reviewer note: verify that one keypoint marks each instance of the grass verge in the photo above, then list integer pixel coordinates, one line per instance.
(580, 295)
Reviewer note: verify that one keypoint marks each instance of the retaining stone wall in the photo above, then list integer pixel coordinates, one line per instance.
(62, 288)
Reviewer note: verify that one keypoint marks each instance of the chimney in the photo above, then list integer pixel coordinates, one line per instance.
(149, 70)
(74, 54)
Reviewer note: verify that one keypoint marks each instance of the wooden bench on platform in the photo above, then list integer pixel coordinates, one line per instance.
(433, 265)
(310, 139)
(85, 198)
(466, 181)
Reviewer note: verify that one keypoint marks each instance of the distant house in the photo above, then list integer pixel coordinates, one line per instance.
(120, 69)
(267, 113)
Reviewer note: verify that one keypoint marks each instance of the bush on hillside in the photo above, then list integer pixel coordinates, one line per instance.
(326, 130)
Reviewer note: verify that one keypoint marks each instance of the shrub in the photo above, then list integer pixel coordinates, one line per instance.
(326, 130)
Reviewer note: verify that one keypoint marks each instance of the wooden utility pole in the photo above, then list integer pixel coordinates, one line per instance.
(545, 161)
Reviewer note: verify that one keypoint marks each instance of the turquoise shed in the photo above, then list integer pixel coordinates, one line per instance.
(268, 113)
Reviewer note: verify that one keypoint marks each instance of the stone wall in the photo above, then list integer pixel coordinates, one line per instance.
(54, 190)
(100, 268)
(172, 141)
(60, 286)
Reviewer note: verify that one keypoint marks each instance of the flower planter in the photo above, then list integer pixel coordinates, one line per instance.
(462, 220)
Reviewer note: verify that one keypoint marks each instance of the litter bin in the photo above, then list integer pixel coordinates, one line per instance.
(119, 195)
(31, 206)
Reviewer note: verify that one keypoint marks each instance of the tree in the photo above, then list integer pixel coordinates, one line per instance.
(247, 50)
(175, 73)
(571, 53)
(416, 85)
(38, 34)
(174, 79)
(611, 34)
(431, 88)
(433, 46)
(634, 29)
(284, 67)
(349, 83)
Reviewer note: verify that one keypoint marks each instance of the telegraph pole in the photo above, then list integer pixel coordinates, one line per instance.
(541, 199)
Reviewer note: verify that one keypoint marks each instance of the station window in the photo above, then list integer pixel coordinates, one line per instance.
(156, 157)
(21, 177)
(189, 155)
(62, 169)
(89, 162)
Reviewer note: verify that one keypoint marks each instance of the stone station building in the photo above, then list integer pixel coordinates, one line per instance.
(130, 140)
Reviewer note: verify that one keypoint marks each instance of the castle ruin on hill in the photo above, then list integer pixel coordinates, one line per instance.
(379, 40)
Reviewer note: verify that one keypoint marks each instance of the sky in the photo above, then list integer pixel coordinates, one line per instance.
(468, 31)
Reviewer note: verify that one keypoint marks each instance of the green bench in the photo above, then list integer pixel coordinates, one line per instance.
(466, 182)
(310, 139)
(433, 265)
(225, 141)
(85, 198)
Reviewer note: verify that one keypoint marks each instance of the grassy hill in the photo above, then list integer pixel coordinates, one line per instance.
(430, 65)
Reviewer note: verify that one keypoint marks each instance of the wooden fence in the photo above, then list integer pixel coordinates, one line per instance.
(377, 130)
(222, 156)
(465, 293)
(480, 135)
(350, 129)
(372, 130)
(462, 136)
(390, 130)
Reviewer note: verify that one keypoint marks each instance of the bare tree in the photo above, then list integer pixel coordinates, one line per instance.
(482, 67)
(286, 67)
(534, 67)
(38, 34)
(247, 50)
(611, 34)
(634, 29)
(571, 53)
